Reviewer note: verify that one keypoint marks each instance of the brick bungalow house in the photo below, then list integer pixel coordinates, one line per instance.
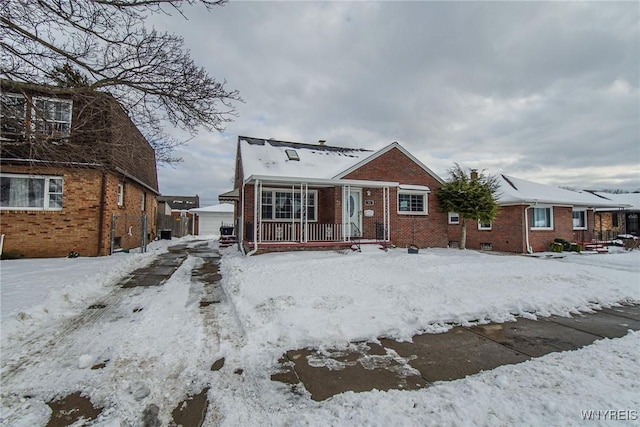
(531, 216)
(292, 195)
(71, 163)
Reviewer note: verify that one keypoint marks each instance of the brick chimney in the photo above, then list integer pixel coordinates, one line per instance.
(474, 174)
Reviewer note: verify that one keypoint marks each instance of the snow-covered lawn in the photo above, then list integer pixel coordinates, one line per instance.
(278, 302)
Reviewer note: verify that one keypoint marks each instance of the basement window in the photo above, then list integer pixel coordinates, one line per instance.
(292, 154)
(486, 246)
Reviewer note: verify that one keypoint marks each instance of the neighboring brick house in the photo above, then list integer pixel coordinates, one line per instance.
(70, 162)
(531, 216)
(293, 195)
(611, 222)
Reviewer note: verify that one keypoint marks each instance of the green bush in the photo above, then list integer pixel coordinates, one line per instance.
(556, 247)
(566, 245)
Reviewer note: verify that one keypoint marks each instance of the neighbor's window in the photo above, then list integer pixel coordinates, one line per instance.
(454, 218)
(286, 204)
(614, 219)
(120, 194)
(579, 219)
(52, 116)
(542, 218)
(29, 192)
(484, 225)
(143, 200)
(412, 202)
(12, 113)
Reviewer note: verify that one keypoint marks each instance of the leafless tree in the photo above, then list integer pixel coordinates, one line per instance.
(103, 45)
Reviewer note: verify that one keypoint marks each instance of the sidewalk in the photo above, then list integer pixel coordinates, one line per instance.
(452, 355)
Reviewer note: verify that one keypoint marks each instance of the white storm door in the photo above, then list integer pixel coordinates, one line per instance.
(355, 210)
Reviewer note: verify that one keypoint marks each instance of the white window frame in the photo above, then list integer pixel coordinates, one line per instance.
(454, 218)
(43, 123)
(425, 204)
(273, 192)
(484, 226)
(584, 218)
(550, 216)
(120, 194)
(143, 201)
(47, 192)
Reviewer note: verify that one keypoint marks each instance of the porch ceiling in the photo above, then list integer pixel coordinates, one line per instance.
(317, 182)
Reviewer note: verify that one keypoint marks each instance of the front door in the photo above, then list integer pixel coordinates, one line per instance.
(355, 212)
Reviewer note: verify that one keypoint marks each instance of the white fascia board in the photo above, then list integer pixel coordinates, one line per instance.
(385, 150)
(319, 181)
(539, 202)
(415, 187)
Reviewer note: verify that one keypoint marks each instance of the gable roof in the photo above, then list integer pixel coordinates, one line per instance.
(268, 157)
(632, 200)
(180, 202)
(384, 151)
(219, 208)
(519, 191)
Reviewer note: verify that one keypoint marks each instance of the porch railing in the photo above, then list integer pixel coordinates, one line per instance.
(287, 232)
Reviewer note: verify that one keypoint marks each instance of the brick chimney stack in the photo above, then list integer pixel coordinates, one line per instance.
(474, 174)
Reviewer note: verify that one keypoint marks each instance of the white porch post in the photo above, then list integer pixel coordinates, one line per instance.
(304, 220)
(346, 223)
(386, 214)
(257, 211)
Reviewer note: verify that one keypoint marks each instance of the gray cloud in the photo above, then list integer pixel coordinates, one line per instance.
(542, 91)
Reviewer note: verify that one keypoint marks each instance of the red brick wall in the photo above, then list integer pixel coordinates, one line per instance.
(506, 234)
(421, 230)
(77, 226)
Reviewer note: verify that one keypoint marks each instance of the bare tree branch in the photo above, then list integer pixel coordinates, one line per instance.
(150, 73)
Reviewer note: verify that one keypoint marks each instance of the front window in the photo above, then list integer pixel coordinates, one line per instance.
(542, 218)
(412, 203)
(279, 205)
(580, 219)
(454, 218)
(12, 114)
(30, 192)
(52, 116)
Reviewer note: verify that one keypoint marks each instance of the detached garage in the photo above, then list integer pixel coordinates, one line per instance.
(210, 218)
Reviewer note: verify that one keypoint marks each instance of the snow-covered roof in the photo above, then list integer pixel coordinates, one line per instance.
(268, 157)
(632, 200)
(222, 207)
(516, 191)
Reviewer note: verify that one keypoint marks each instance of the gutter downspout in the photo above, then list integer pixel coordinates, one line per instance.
(526, 229)
(101, 211)
(241, 225)
(255, 217)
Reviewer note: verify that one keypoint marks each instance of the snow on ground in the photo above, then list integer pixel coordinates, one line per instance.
(279, 302)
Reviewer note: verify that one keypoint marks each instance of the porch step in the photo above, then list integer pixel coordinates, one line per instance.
(226, 241)
(596, 247)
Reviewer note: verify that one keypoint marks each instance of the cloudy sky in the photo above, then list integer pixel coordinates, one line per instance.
(547, 92)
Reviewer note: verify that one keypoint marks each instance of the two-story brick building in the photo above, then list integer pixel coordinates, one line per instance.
(76, 174)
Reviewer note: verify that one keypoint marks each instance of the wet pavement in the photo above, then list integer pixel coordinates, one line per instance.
(190, 412)
(447, 356)
(383, 365)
